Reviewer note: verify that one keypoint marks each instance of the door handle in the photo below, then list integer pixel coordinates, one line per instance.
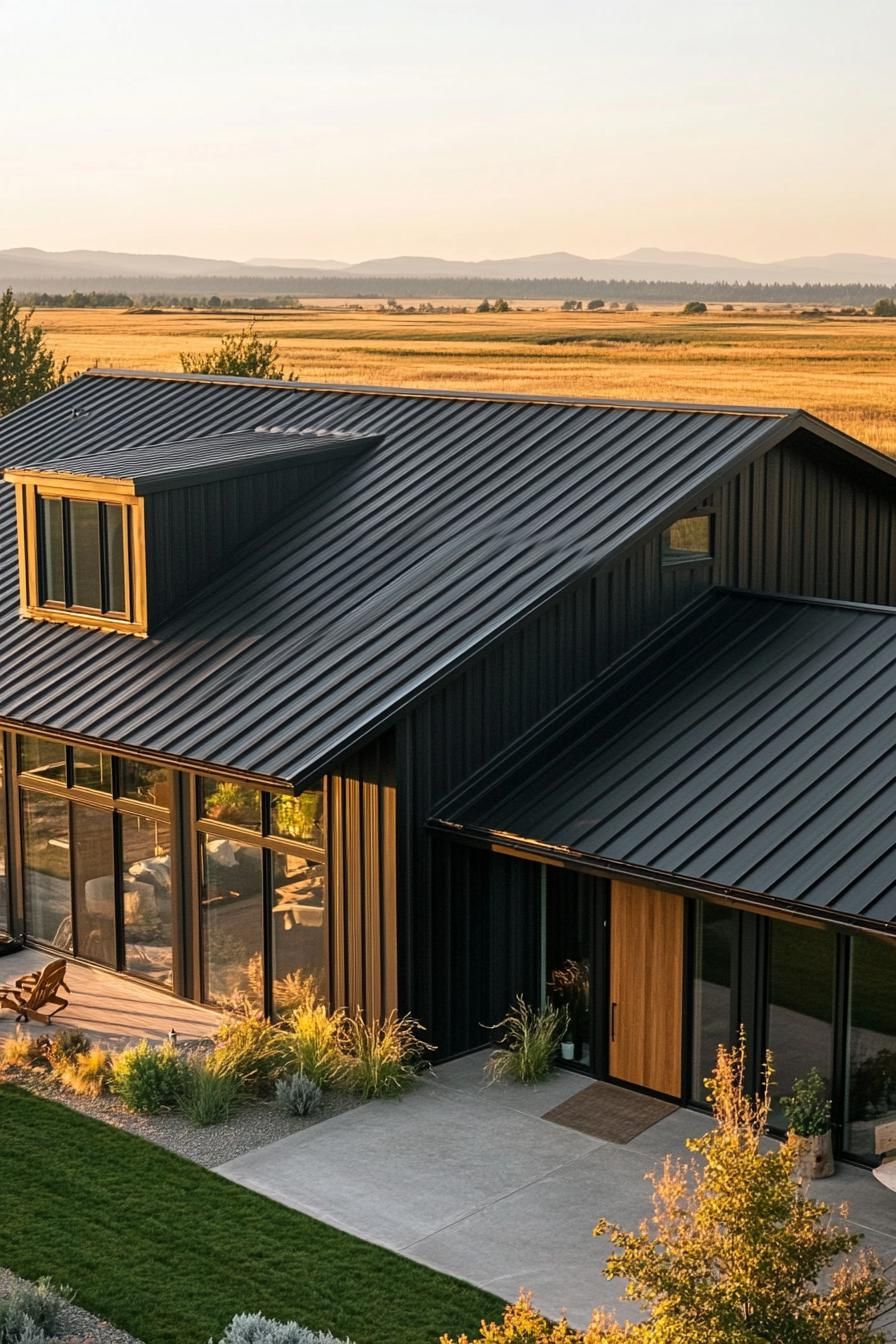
(613, 1006)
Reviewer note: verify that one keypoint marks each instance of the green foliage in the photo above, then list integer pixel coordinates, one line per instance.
(736, 1253)
(594, 304)
(258, 1329)
(484, 307)
(808, 1109)
(298, 1094)
(384, 1057)
(87, 1074)
(500, 306)
(530, 1041)
(31, 1312)
(571, 306)
(884, 308)
(244, 355)
(208, 1097)
(251, 1050)
(148, 1078)
(316, 1042)
(694, 308)
(171, 1252)
(27, 367)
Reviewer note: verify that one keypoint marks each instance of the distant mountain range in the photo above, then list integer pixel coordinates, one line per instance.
(32, 267)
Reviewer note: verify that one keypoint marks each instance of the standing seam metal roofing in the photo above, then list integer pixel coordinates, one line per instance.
(748, 747)
(471, 513)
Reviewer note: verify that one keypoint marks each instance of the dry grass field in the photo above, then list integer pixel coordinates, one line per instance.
(841, 368)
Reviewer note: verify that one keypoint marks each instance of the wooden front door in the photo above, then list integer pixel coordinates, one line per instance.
(646, 987)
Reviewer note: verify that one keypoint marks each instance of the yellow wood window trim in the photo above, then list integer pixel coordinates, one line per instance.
(28, 492)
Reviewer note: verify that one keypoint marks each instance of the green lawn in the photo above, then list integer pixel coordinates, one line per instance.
(170, 1251)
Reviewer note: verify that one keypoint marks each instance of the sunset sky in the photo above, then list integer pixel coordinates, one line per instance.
(465, 128)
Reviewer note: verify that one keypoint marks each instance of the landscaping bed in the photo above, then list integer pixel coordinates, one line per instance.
(75, 1325)
(256, 1122)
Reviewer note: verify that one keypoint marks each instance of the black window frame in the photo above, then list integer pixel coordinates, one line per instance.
(106, 578)
(670, 557)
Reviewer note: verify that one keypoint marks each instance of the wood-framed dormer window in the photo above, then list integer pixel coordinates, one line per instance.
(81, 553)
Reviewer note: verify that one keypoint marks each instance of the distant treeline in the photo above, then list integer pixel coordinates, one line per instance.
(237, 291)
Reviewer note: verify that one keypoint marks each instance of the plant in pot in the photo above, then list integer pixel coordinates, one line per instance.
(808, 1112)
(569, 988)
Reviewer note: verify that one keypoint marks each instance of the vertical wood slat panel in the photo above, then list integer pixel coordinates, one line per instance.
(363, 902)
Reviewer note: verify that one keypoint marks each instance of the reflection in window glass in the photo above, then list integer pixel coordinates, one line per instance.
(229, 801)
(48, 913)
(688, 539)
(714, 934)
(84, 555)
(232, 917)
(93, 880)
(113, 518)
(92, 769)
(145, 783)
(801, 1004)
(40, 756)
(298, 816)
(52, 550)
(871, 1077)
(147, 897)
(298, 930)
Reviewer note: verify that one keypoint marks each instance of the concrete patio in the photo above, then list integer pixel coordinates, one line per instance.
(112, 1009)
(471, 1180)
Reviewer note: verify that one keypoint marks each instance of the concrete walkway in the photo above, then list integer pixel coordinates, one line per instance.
(471, 1180)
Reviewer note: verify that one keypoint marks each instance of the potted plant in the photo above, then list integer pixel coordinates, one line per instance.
(569, 987)
(808, 1112)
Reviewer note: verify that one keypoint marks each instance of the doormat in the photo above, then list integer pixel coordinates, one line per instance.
(611, 1113)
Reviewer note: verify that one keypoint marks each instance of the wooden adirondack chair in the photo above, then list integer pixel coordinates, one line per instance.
(32, 993)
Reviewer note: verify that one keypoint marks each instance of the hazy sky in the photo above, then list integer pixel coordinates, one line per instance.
(466, 128)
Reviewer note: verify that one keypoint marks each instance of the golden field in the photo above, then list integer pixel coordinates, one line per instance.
(841, 368)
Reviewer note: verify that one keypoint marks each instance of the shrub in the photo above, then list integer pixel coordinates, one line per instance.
(298, 1094)
(21, 1051)
(884, 308)
(808, 1109)
(530, 1042)
(257, 1329)
(64, 1048)
(86, 1074)
(30, 1313)
(148, 1078)
(208, 1097)
(382, 1058)
(316, 1042)
(594, 304)
(693, 308)
(521, 1324)
(250, 1049)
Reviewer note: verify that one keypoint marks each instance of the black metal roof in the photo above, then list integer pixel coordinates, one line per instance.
(747, 748)
(164, 466)
(474, 511)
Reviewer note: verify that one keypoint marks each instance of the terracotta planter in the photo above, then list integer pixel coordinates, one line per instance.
(815, 1157)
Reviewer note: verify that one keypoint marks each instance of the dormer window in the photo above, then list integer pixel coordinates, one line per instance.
(80, 554)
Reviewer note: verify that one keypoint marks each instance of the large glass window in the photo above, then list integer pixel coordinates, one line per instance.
(111, 858)
(93, 880)
(45, 843)
(262, 861)
(802, 964)
(871, 1042)
(568, 932)
(715, 929)
(147, 896)
(81, 555)
(232, 921)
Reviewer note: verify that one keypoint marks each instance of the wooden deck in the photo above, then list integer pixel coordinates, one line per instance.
(111, 1008)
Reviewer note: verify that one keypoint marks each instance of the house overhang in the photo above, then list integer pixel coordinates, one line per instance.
(600, 865)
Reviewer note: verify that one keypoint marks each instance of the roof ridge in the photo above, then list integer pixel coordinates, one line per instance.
(449, 394)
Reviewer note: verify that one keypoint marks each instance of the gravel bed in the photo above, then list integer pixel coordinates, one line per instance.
(77, 1326)
(252, 1125)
